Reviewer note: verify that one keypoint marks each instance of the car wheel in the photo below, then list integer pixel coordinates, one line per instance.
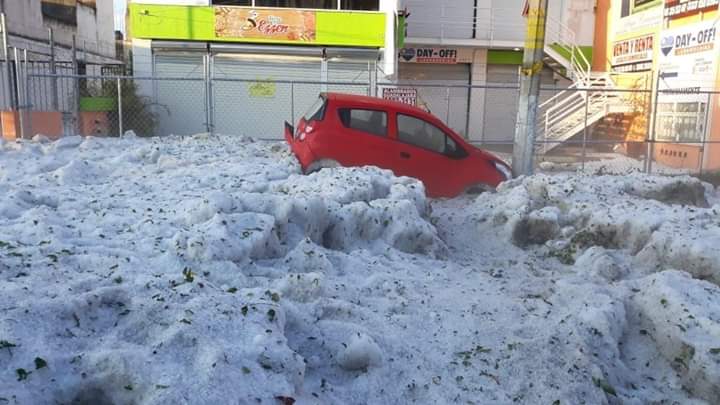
(321, 164)
(476, 189)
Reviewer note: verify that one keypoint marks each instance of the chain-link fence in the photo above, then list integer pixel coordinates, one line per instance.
(597, 129)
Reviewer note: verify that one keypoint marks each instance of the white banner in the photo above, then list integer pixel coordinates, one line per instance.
(688, 57)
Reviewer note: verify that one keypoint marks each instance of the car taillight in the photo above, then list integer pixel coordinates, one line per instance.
(307, 130)
(504, 170)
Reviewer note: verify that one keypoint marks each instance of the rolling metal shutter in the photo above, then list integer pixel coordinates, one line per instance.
(501, 105)
(247, 100)
(180, 105)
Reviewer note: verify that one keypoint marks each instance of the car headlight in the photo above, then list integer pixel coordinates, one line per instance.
(504, 170)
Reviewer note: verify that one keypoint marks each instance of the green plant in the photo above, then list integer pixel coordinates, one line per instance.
(137, 110)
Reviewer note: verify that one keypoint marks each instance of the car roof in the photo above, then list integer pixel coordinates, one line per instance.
(375, 102)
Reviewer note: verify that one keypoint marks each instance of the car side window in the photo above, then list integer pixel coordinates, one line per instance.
(370, 121)
(424, 134)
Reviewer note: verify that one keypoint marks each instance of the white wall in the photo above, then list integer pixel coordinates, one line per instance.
(388, 64)
(497, 20)
(577, 15)
(499, 23)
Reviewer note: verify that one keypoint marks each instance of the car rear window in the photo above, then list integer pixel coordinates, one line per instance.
(316, 111)
(370, 121)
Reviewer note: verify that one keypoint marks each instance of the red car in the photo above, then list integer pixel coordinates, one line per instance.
(351, 130)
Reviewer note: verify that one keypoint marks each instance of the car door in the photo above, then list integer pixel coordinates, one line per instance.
(363, 138)
(427, 153)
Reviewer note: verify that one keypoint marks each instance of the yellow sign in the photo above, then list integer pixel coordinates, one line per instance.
(262, 88)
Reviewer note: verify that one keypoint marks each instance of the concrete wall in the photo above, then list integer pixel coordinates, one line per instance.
(499, 23)
(94, 29)
(577, 15)
(498, 20)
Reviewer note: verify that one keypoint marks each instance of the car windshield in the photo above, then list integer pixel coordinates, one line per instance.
(316, 111)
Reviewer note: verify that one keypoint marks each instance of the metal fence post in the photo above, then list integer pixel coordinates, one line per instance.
(120, 110)
(704, 138)
(18, 93)
(26, 93)
(651, 145)
(585, 129)
(6, 54)
(53, 70)
(447, 118)
(292, 103)
(76, 87)
(210, 90)
(206, 77)
(648, 117)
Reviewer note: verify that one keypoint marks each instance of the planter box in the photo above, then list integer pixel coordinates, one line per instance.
(98, 104)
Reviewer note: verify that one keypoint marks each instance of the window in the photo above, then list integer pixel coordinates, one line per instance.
(232, 2)
(681, 121)
(420, 133)
(370, 5)
(370, 121)
(316, 111)
(321, 4)
(60, 11)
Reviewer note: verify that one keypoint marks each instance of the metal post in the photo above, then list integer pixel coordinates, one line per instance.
(705, 127)
(211, 99)
(292, 103)
(26, 92)
(53, 71)
(76, 88)
(206, 75)
(120, 110)
(447, 116)
(6, 54)
(651, 141)
(648, 119)
(585, 129)
(18, 93)
(524, 146)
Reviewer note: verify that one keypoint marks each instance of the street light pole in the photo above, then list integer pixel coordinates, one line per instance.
(524, 146)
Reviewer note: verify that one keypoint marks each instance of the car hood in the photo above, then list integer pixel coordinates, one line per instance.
(487, 155)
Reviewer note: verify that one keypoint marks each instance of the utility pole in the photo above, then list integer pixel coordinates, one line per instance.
(523, 149)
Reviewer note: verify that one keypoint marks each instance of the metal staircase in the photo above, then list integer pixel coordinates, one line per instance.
(570, 111)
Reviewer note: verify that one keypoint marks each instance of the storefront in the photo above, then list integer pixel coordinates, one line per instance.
(671, 47)
(430, 70)
(255, 67)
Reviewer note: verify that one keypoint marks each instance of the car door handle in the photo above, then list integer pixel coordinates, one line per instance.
(404, 155)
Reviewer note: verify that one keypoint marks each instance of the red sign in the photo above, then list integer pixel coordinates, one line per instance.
(683, 8)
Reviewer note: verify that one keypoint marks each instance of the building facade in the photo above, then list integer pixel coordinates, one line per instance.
(410, 50)
(252, 50)
(482, 41)
(91, 22)
(39, 38)
(669, 47)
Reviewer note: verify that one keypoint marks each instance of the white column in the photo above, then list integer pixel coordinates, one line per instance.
(388, 63)
(478, 77)
(143, 65)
